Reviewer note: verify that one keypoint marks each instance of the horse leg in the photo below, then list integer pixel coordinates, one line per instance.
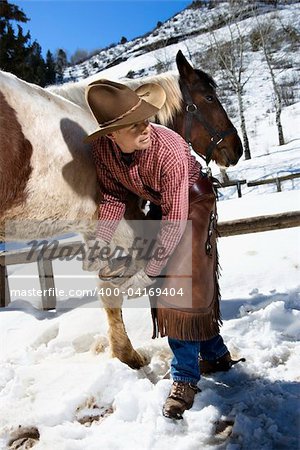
(119, 341)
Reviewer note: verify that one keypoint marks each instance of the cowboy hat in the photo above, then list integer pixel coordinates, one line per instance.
(116, 106)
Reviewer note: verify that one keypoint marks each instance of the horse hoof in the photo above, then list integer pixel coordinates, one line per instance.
(138, 361)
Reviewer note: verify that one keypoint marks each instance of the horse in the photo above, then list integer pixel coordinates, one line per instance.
(48, 183)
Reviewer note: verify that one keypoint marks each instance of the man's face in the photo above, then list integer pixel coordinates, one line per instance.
(134, 137)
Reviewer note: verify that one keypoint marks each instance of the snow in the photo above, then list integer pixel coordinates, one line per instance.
(51, 377)
(56, 372)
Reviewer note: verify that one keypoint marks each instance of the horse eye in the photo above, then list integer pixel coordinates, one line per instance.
(209, 98)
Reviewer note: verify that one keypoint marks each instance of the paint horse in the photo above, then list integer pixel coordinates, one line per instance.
(48, 182)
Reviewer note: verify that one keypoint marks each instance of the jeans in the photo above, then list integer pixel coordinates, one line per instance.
(185, 362)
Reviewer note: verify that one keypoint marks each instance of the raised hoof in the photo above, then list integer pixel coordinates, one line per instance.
(136, 361)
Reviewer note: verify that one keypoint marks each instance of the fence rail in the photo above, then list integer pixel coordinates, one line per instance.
(45, 268)
(275, 180)
(259, 224)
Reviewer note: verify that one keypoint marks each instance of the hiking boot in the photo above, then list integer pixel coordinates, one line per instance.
(181, 397)
(222, 364)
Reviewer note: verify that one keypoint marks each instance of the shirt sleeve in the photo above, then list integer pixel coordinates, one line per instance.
(112, 203)
(175, 206)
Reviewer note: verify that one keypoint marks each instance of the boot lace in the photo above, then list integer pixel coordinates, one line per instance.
(179, 389)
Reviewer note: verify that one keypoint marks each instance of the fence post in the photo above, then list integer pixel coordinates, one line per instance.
(47, 283)
(239, 189)
(278, 184)
(4, 288)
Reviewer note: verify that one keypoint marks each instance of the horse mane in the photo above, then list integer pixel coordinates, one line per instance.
(170, 83)
(72, 91)
(75, 92)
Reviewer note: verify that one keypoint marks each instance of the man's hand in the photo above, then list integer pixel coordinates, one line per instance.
(137, 283)
(94, 253)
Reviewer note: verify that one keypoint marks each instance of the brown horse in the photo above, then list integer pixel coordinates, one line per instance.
(192, 109)
(48, 182)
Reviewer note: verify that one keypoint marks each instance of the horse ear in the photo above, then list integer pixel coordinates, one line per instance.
(185, 70)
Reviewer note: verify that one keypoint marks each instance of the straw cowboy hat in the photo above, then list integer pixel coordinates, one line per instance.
(116, 106)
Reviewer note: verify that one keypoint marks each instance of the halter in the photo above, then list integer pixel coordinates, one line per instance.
(193, 111)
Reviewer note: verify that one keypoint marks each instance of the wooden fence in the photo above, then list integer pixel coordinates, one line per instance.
(275, 180)
(259, 224)
(45, 268)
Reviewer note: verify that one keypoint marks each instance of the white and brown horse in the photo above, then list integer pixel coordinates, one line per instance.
(47, 174)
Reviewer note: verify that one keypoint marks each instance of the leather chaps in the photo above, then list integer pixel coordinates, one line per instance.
(188, 307)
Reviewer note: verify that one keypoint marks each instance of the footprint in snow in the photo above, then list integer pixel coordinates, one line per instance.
(222, 432)
(24, 438)
(90, 412)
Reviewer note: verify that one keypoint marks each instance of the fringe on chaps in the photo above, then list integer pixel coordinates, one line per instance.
(192, 270)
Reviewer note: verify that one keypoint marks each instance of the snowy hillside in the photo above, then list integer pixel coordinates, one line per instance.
(184, 24)
(187, 27)
(140, 58)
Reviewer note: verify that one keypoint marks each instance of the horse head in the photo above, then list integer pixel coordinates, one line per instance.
(204, 123)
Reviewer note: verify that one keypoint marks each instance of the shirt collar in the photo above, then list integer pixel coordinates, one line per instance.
(136, 155)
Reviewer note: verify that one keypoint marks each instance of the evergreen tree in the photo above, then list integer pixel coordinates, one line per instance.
(13, 46)
(50, 69)
(35, 65)
(10, 12)
(17, 54)
(61, 63)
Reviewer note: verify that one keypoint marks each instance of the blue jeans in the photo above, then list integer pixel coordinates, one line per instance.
(185, 362)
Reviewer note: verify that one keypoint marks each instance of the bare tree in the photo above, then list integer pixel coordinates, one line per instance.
(79, 56)
(264, 29)
(164, 60)
(230, 55)
(192, 56)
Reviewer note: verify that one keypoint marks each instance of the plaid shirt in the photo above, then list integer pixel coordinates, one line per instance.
(161, 174)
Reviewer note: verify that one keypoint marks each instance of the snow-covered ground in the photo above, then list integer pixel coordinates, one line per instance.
(56, 371)
(58, 383)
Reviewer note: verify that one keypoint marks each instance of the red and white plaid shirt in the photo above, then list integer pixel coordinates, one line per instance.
(161, 174)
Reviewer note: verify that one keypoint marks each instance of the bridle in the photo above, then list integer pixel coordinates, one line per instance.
(192, 111)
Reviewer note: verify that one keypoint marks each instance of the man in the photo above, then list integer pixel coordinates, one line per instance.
(132, 155)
